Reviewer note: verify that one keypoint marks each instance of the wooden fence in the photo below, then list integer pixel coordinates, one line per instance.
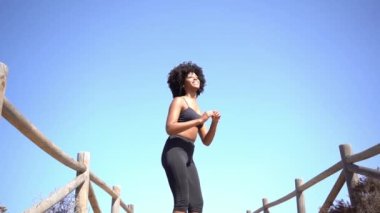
(84, 179)
(347, 175)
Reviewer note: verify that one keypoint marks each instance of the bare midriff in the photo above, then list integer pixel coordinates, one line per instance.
(190, 134)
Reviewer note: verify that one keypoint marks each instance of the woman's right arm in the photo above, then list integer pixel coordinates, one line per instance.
(174, 127)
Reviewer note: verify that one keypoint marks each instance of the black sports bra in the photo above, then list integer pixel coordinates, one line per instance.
(188, 114)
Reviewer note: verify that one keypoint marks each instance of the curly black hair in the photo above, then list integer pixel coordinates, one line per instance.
(178, 74)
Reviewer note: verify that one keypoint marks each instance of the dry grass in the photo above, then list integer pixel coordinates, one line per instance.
(66, 205)
(366, 195)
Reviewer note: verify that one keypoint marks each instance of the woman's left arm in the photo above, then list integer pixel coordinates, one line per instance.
(208, 136)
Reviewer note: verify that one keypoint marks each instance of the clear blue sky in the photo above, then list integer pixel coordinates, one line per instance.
(292, 79)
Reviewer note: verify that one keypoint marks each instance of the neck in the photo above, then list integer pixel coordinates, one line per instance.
(192, 95)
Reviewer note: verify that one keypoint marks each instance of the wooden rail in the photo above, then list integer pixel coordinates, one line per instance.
(14, 117)
(82, 183)
(348, 175)
(58, 195)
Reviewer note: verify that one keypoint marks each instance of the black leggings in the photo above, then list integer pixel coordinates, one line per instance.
(177, 160)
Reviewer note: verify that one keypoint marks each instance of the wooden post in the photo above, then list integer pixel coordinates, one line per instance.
(116, 201)
(351, 178)
(333, 193)
(93, 201)
(265, 203)
(300, 197)
(3, 83)
(81, 195)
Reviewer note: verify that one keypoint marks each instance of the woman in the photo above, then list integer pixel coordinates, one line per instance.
(184, 122)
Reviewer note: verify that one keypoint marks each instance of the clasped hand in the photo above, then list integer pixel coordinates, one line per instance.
(215, 115)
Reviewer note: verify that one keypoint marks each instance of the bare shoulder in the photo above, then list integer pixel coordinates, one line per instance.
(177, 102)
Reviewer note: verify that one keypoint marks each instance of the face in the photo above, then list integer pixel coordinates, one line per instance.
(192, 81)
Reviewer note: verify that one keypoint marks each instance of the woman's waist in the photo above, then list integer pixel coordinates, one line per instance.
(183, 137)
(179, 141)
(188, 135)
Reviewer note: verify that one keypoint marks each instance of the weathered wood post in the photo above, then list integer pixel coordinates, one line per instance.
(3, 83)
(300, 197)
(81, 194)
(116, 202)
(351, 178)
(265, 203)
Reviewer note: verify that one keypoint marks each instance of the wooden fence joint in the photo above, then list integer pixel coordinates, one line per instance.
(300, 196)
(116, 201)
(351, 178)
(265, 205)
(82, 192)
